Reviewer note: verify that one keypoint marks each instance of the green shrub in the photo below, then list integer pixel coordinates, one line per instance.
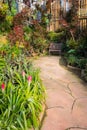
(72, 44)
(72, 51)
(3, 11)
(40, 44)
(27, 29)
(55, 37)
(28, 34)
(82, 48)
(10, 52)
(72, 60)
(82, 63)
(5, 26)
(5, 18)
(76, 61)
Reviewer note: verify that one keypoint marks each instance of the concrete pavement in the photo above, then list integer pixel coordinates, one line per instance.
(66, 96)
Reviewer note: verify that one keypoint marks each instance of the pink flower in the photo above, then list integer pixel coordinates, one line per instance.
(23, 73)
(29, 78)
(3, 86)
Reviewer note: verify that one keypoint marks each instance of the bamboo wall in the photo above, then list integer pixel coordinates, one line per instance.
(55, 11)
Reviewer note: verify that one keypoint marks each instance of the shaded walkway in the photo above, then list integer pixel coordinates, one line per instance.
(67, 96)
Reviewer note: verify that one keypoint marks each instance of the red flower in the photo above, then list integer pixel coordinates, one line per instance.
(3, 86)
(29, 78)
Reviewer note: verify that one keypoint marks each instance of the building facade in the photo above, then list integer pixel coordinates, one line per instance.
(59, 9)
(82, 12)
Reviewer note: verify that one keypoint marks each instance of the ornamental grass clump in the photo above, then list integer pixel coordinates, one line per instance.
(21, 98)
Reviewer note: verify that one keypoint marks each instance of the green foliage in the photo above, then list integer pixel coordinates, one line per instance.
(75, 60)
(27, 29)
(72, 60)
(72, 51)
(40, 44)
(82, 41)
(76, 52)
(22, 35)
(9, 19)
(55, 37)
(72, 44)
(2, 66)
(36, 37)
(5, 26)
(27, 33)
(9, 52)
(13, 8)
(3, 11)
(21, 100)
(44, 20)
(82, 63)
(5, 19)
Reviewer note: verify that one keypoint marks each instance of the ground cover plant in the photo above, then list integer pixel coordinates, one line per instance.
(21, 95)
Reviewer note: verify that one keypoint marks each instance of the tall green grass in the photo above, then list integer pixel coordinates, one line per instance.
(21, 100)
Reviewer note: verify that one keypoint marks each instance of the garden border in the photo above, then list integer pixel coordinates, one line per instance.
(41, 117)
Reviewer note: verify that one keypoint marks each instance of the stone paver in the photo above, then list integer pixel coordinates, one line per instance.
(66, 96)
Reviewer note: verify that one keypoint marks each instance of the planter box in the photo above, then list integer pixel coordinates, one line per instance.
(76, 70)
(84, 75)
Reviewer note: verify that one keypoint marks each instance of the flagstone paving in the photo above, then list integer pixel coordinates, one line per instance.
(66, 96)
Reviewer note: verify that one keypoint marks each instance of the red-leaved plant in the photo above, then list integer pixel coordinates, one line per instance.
(16, 35)
(21, 17)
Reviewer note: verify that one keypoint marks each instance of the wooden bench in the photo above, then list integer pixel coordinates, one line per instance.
(55, 48)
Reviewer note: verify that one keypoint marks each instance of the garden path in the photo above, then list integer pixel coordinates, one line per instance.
(66, 96)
